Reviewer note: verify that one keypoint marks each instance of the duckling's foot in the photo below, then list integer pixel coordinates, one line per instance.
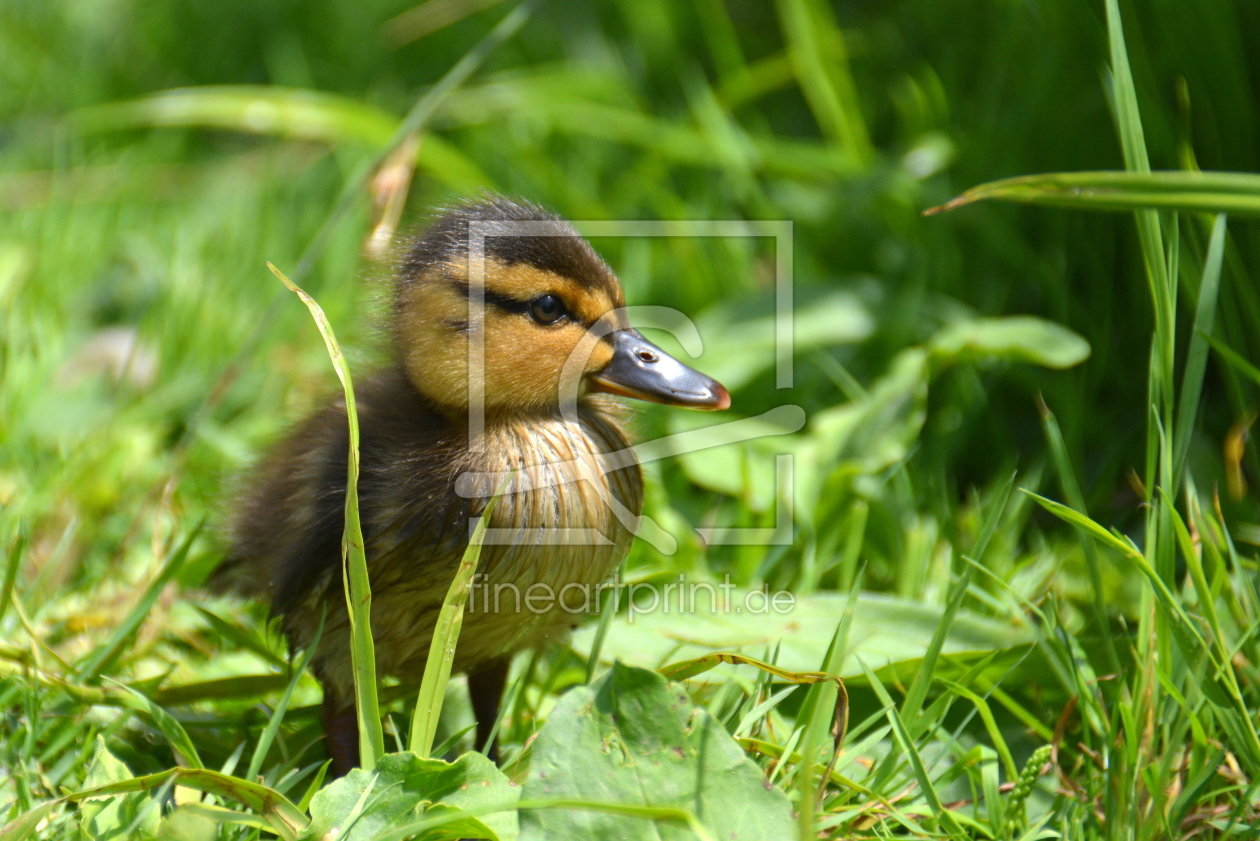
(485, 688)
(341, 736)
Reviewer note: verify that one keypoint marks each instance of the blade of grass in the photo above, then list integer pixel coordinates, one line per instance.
(1069, 515)
(1196, 357)
(1072, 490)
(820, 698)
(429, 17)
(1113, 190)
(354, 561)
(1162, 285)
(170, 728)
(453, 740)
(296, 113)
(317, 782)
(240, 636)
(283, 818)
(17, 550)
(103, 658)
(824, 75)
(1223, 660)
(507, 708)
(990, 725)
(437, 668)
(905, 742)
(1234, 359)
(277, 715)
(241, 686)
(915, 695)
(606, 615)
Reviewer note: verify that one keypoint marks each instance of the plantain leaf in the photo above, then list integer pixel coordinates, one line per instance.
(885, 629)
(1015, 338)
(405, 788)
(633, 738)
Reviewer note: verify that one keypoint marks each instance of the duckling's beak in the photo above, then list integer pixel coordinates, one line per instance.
(641, 370)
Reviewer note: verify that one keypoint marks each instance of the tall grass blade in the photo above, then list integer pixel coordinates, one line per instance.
(1190, 192)
(429, 17)
(917, 693)
(1162, 284)
(354, 561)
(905, 741)
(821, 697)
(606, 616)
(816, 47)
(1196, 357)
(437, 668)
(13, 560)
(1072, 490)
(1234, 359)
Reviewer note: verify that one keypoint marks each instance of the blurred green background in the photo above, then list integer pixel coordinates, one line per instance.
(153, 156)
(847, 121)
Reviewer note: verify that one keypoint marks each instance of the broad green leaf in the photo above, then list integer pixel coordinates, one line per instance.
(198, 822)
(1210, 192)
(885, 629)
(1014, 338)
(867, 435)
(295, 113)
(404, 789)
(737, 349)
(110, 818)
(633, 738)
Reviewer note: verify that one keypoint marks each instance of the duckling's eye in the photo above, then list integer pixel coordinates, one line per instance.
(547, 309)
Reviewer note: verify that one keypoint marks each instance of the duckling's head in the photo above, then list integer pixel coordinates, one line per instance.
(519, 288)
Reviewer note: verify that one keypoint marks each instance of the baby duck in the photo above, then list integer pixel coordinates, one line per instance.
(539, 319)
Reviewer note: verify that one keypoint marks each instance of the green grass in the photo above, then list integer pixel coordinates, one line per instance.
(1035, 571)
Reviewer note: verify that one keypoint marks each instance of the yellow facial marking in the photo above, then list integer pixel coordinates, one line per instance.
(526, 365)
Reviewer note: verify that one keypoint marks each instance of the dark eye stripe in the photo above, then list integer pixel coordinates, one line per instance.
(506, 303)
(503, 302)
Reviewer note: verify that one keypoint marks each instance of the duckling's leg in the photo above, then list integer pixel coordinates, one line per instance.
(341, 735)
(485, 687)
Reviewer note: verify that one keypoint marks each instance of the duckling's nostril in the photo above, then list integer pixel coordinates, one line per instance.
(648, 356)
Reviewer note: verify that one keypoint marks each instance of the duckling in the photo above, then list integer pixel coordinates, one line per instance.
(555, 342)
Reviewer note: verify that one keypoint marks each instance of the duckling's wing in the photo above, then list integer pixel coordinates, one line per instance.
(286, 533)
